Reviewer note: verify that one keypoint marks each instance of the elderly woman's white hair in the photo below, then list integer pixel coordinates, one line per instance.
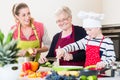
(63, 9)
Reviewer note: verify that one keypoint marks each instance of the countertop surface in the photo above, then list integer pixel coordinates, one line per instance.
(110, 78)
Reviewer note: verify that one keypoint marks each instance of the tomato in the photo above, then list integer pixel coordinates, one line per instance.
(26, 66)
(43, 74)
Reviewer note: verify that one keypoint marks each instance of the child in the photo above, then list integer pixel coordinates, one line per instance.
(99, 49)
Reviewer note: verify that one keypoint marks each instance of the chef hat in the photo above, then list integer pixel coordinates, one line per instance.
(91, 19)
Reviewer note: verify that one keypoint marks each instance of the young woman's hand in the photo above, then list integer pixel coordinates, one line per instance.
(32, 51)
(21, 53)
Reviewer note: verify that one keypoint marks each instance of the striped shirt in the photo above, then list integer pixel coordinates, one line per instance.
(107, 53)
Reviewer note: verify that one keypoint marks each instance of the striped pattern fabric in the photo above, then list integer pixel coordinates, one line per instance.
(107, 53)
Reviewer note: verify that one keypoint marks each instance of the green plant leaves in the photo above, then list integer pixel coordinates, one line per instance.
(8, 50)
(1, 38)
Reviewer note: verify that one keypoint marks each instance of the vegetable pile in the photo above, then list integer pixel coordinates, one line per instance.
(91, 77)
(56, 76)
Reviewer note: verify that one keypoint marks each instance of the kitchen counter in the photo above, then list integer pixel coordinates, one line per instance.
(118, 78)
(49, 69)
(103, 78)
(110, 78)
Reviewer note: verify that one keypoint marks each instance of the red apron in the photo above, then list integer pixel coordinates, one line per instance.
(92, 54)
(64, 41)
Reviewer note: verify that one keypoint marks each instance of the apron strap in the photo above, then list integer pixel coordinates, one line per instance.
(19, 32)
(33, 27)
(100, 41)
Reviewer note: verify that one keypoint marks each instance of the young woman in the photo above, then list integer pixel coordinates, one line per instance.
(30, 34)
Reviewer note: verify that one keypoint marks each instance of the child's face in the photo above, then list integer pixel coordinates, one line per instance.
(92, 32)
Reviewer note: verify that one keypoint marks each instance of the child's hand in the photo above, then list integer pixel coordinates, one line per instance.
(59, 53)
(100, 65)
(68, 57)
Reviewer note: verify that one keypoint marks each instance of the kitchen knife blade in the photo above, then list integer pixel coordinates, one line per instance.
(51, 58)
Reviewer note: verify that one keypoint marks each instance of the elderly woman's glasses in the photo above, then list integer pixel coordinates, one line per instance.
(62, 20)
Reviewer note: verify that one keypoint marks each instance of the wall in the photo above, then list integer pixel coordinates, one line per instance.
(112, 12)
(43, 10)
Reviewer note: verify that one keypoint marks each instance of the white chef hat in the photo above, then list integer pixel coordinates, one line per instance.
(90, 19)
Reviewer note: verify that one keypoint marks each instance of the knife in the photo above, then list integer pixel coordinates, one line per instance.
(51, 58)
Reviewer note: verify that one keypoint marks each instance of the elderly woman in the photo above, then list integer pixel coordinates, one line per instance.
(70, 33)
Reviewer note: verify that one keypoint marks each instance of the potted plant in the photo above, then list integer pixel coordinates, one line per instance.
(8, 58)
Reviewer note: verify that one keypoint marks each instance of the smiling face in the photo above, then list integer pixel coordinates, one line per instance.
(63, 17)
(93, 32)
(24, 16)
(64, 21)
(21, 13)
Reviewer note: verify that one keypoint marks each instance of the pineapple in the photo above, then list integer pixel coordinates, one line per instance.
(8, 50)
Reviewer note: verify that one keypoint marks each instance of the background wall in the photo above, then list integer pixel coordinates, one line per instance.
(43, 11)
(112, 11)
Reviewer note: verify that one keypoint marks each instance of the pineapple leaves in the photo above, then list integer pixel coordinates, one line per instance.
(8, 50)
(9, 38)
(1, 38)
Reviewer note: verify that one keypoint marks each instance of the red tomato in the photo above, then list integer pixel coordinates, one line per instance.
(26, 66)
(44, 74)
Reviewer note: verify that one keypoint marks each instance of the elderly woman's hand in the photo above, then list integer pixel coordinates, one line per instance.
(59, 53)
(42, 60)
